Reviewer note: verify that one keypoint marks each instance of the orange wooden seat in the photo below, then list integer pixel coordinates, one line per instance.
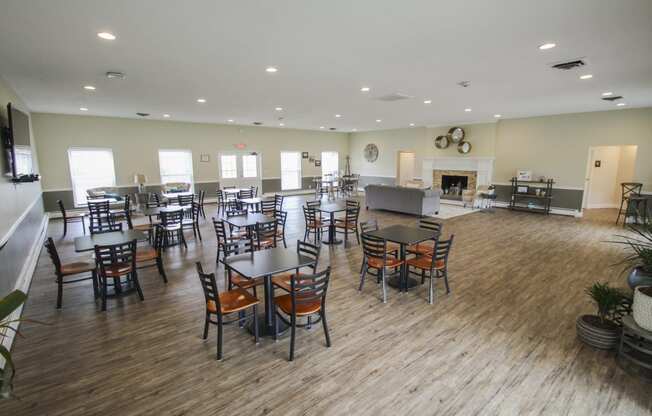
(378, 263)
(117, 269)
(243, 282)
(421, 248)
(76, 268)
(424, 262)
(284, 302)
(233, 301)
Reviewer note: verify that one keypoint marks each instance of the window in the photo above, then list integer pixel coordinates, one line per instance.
(229, 166)
(175, 166)
(330, 163)
(90, 168)
(249, 168)
(290, 170)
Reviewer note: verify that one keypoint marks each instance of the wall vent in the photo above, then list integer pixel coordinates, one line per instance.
(258, 123)
(578, 63)
(395, 96)
(614, 98)
(143, 114)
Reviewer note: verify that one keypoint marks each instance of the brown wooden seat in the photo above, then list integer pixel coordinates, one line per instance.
(283, 281)
(243, 282)
(379, 262)
(63, 270)
(220, 305)
(434, 266)
(421, 248)
(307, 297)
(118, 269)
(426, 247)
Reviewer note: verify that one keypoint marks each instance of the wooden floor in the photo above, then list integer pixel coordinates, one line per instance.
(502, 343)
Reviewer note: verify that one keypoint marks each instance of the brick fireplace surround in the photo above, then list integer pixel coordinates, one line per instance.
(472, 177)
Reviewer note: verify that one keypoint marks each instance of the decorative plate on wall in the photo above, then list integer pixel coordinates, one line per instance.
(456, 134)
(371, 153)
(441, 142)
(464, 147)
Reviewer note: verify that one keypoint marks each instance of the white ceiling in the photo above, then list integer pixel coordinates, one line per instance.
(176, 51)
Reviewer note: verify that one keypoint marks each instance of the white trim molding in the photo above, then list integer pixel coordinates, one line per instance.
(484, 166)
(19, 220)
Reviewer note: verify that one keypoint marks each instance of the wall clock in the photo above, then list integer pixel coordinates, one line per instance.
(456, 134)
(371, 153)
(441, 142)
(464, 147)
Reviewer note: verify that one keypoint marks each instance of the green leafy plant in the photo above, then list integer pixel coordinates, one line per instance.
(639, 248)
(612, 303)
(7, 306)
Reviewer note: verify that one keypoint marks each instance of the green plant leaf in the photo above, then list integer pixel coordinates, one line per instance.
(7, 375)
(10, 303)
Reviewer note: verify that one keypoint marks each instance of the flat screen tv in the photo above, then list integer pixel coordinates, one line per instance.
(17, 146)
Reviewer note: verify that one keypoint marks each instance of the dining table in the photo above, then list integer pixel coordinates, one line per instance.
(252, 202)
(247, 221)
(264, 264)
(88, 242)
(156, 211)
(174, 195)
(331, 209)
(404, 236)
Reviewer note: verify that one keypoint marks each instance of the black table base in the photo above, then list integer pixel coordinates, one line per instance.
(265, 330)
(396, 282)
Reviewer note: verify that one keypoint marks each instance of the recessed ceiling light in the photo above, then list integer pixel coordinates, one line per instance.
(497, 115)
(106, 35)
(281, 124)
(365, 89)
(621, 104)
(468, 110)
(586, 76)
(83, 108)
(271, 69)
(279, 109)
(89, 87)
(411, 124)
(378, 120)
(322, 127)
(546, 46)
(166, 115)
(607, 94)
(201, 100)
(354, 129)
(230, 120)
(427, 101)
(338, 115)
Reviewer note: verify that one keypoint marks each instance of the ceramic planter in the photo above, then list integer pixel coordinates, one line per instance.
(639, 277)
(642, 308)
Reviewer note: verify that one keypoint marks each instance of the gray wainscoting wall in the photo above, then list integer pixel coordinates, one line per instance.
(15, 253)
(376, 180)
(561, 198)
(273, 185)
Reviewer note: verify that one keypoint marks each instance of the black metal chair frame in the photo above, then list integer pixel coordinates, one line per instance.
(112, 254)
(60, 276)
(441, 253)
(78, 217)
(374, 247)
(626, 190)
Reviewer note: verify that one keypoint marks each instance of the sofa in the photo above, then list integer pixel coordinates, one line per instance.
(401, 199)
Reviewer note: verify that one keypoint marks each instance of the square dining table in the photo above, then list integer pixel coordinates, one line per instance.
(330, 209)
(404, 236)
(88, 242)
(265, 264)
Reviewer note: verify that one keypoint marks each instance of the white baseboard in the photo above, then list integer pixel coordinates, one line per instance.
(599, 206)
(557, 211)
(24, 282)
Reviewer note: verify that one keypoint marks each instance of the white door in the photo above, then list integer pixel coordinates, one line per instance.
(240, 169)
(603, 177)
(406, 162)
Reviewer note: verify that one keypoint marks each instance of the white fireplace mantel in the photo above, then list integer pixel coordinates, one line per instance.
(484, 166)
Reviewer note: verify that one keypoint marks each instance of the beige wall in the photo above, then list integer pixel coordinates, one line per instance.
(135, 145)
(553, 146)
(16, 198)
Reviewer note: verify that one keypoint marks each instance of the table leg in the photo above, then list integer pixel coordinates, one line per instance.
(403, 282)
(332, 235)
(266, 320)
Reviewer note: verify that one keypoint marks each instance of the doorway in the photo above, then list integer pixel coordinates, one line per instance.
(405, 167)
(607, 168)
(240, 169)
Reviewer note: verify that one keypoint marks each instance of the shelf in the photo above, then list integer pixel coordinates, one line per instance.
(522, 195)
(539, 182)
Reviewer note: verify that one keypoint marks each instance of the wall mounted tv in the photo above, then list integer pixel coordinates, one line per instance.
(17, 146)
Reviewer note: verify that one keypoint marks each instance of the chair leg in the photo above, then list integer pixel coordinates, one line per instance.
(362, 276)
(219, 337)
(363, 262)
(448, 289)
(198, 232)
(293, 336)
(357, 235)
(256, 338)
(322, 313)
(104, 289)
(206, 323)
(65, 227)
(382, 273)
(134, 277)
(161, 271)
(96, 289)
(622, 202)
(430, 289)
(275, 324)
(83, 225)
(59, 291)
(183, 239)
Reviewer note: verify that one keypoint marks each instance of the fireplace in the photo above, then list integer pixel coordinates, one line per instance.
(453, 185)
(453, 182)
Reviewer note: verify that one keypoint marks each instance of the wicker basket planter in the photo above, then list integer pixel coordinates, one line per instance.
(592, 331)
(642, 308)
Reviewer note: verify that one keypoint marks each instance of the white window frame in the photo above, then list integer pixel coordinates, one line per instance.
(244, 171)
(324, 172)
(235, 170)
(74, 183)
(189, 175)
(298, 173)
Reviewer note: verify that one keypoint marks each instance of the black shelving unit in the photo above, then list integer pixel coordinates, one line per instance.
(529, 200)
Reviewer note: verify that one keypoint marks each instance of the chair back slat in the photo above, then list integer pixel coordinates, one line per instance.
(310, 215)
(313, 204)
(309, 288)
(350, 203)
(220, 231)
(266, 231)
(123, 254)
(242, 246)
(268, 206)
(373, 246)
(185, 199)
(209, 287)
(368, 226)
(54, 254)
(246, 193)
(442, 249)
(351, 216)
(171, 218)
(281, 218)
(431, 225)
(101, 227)
(279, 202)
(309, 250)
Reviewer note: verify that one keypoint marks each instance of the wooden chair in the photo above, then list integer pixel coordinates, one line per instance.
(268, 207)
(220, 305)
(281, 219)
(237, 231)
(246, 193)
(375, 255)
(151, 255)
(313, 204)
(62, 271)
(221, 201)
(147, 227)
(99, 215)
(243, 246)
(222, 237)
(351, 203)
(434, 266)
(171, 223)
(305, 249)
(110, 228)
(372, 225)
(426, 247)
(266, 233)
(200, 200)
(314, 224)
(348, 225)
(115, 262)
(254, 191)
(186, 200)
(121, 213)
(72, 217)
(279, 201)
(307, 297)
(191, 220)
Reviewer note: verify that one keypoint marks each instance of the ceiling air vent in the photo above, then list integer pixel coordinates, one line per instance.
(578, 63)
(395, 96)
(258, 123)
(142, 114)
(614, 98)
(332, 128)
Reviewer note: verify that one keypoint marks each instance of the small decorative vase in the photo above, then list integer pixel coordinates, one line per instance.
(639, 277)
(642, 308)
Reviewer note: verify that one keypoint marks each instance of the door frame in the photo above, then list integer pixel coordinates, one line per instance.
(398, 164)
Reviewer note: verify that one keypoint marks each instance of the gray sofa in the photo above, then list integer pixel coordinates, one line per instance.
(400, 199)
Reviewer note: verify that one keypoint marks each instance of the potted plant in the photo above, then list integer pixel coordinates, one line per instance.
(639, 258)
(602, 331)
(7, 306)
(643, 307)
